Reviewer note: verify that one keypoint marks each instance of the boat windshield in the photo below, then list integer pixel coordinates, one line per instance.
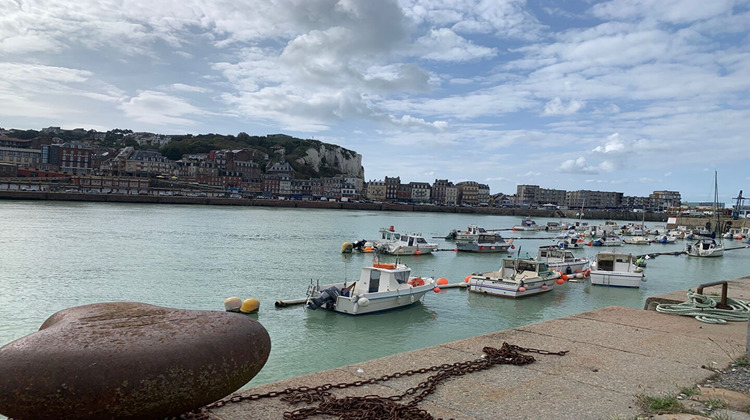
(401, 276)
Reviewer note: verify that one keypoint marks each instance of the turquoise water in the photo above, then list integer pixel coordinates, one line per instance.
(55, 255)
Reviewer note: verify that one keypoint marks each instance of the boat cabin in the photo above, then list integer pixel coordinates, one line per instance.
(615, 261)
(382, 277)
(555, 254)
(523, 268)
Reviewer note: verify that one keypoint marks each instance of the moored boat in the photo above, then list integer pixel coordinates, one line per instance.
(617, 269)
(561, 260)
(380, 287)
(516, 278)
(707, 244)
(607, 239)
(527, 224)
(394, 243)
(484, 244)
(637, 240)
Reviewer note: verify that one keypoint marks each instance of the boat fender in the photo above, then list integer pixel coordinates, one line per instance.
(415, 282)
(363, 301)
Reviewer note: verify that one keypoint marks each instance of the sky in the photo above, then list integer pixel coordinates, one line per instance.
(632, 96)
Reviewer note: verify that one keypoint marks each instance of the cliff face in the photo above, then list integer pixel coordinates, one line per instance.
(335, 158)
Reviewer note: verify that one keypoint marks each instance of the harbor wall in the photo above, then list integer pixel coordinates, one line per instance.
(691, 222)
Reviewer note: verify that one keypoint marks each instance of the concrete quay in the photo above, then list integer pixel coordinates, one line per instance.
(614, 355)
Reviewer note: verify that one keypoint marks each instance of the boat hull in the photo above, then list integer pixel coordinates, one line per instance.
(407, 250)
(377, 302)
(498, 287)
(705, 250)
(482, 247)
(568, 268)
(616, 278)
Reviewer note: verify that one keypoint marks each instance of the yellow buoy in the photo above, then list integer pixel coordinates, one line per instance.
(232, 304)
(346, 247)
(250, 306)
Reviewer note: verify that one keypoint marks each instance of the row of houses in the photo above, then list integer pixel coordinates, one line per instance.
(240, 172)
(534, 196)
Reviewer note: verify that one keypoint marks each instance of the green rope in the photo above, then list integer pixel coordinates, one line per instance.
(704, 309)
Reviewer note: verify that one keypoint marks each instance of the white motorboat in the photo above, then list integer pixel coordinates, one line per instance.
(562, 260)
(664, 239)
(637, 240)
(709, 244)
(394, 243)
(485, 244)
(607, 239)
(617, 269)
(516, 277)
(471, 233)
(527, 224)
(380, 287)
(568, 240)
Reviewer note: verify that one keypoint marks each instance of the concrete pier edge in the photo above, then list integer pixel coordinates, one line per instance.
(615, 355)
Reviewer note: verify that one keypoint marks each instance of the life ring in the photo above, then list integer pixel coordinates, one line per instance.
(415, 282)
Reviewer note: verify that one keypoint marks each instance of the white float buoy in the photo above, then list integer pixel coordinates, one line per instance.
(232, 304)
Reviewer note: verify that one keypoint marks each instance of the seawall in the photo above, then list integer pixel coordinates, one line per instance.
(150, 199)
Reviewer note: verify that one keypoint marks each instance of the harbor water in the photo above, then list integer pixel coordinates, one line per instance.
(56, 255)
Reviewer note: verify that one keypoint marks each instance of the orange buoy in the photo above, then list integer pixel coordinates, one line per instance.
(436, 290)
(442, 280)
(467, 278)
(560, 281)
(417, 252)
(564, 277)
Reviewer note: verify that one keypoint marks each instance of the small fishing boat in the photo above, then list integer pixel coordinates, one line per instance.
(637, 240)
(607, 239)
(567, 240)
(527, 224)
(380, 287)
(484, 243)
(394, 243)
(617, 269)
(516, 278)
(664, 239)
(561, 260)
(471, 233)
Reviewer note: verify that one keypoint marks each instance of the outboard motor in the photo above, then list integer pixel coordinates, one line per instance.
(327, 297)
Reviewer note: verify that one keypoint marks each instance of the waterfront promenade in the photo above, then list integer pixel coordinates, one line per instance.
(615, 354)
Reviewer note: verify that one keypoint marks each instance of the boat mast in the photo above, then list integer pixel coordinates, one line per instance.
(717, 216)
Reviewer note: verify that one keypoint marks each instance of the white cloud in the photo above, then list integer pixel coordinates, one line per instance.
(556, 107)
(445, 45)
(160, 109)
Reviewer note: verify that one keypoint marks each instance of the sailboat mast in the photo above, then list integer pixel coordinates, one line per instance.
(717, 216)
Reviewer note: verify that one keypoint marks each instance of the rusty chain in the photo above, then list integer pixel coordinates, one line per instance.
(374, 407)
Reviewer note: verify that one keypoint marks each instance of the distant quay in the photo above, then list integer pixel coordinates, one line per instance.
(343, 205)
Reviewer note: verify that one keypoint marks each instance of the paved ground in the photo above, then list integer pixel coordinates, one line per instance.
(615, 354)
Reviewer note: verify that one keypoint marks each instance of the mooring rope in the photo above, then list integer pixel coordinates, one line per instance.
(704, 309)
